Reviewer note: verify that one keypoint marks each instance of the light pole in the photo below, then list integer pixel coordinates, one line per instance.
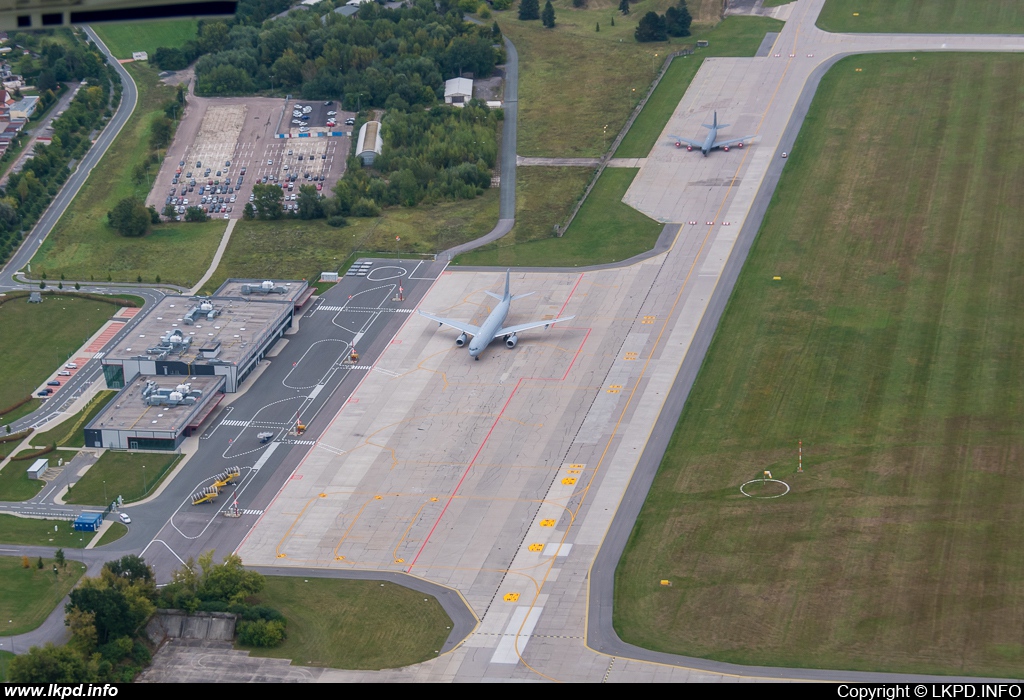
(144, 487)
(105, 492)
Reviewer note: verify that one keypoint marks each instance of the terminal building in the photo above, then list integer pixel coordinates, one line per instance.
(175, 366)
(224, 335)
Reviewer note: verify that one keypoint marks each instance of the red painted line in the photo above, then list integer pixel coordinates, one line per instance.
(463, 478)
(571, 292)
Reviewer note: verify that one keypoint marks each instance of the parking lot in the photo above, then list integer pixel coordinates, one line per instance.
(224, 146)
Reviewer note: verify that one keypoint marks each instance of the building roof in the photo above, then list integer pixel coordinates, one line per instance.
(347, 10)
(237, 325)
(26, 105)
(369, 139)
(458, 86)
(130, 411)
(257, 290)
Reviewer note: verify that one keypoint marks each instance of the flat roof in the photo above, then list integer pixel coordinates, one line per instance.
(240, 323)
(129, 411)
(233, 287)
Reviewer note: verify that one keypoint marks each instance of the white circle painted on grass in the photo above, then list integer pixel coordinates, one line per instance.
(374, 277)
(759, 481)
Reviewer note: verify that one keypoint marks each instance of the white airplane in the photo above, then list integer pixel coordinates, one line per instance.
(493, 325)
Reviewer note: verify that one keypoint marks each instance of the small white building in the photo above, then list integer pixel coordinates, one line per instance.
(37, 468)
(458, 91)
(370, 142)
(23, 109)
(140, 56)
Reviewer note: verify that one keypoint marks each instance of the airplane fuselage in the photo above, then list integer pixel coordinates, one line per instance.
(709, 142)
(489, 329)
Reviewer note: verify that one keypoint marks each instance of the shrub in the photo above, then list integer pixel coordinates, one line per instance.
(336, 221)
(260, 633)
(365, 207)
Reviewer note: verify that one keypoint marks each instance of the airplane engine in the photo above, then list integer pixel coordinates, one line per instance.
(689, 148)
(739, 145)
(510, 342)
(725, 148)
(461, 340)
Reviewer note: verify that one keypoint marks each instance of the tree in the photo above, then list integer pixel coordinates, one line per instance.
(529, 9)
(579, 3)
(58, 557)
(623, 8)
(114, 616)
(495, 30)
(227, 581)
(130, 218)
(131, 568)
(651, 28)
(310, 206)
(248, 213)
(267, 201)
(678, 20)
(39, 563)
(598, 27)
(170, 212)
(52, 664)
(196, 214)
(548, 16)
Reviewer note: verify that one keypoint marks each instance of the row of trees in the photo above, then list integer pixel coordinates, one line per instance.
(107, 615)
(530, 9)
(28, 192)
(394, 58)
(654, 27)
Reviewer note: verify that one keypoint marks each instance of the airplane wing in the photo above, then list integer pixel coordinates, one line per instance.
(512, 330)
(466, 328)
(680, 139)
(731, 142)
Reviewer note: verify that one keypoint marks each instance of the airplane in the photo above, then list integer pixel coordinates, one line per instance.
(710, 143)
(493, 325)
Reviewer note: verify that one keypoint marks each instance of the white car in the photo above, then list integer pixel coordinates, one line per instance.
(270, 161)
(332, 114)
(64, 373)
(307, 110)
(123, 517)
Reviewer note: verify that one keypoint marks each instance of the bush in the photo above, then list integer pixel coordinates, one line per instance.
(365, 207)
(336, 221)
(260, 633)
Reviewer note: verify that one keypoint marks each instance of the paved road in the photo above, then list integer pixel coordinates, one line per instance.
(507, 196)
(74, 183)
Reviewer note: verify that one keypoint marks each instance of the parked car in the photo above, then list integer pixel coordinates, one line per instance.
(71, 365)
(64, 373)
(53, 382)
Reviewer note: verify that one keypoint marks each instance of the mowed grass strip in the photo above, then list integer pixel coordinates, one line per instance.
(296, 249)
(893, 346)
(28, 596)
(354, 624)
(15, 484)
(121, 474)
(71, 432)
(83, 247)
(125, 38)
(734, 36)
(604, 230)
(40, 533)
(923, 17)
(114, 532)
(37, 339)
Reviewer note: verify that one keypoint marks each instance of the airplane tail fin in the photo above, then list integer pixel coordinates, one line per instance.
(508, 275)
(714, 124)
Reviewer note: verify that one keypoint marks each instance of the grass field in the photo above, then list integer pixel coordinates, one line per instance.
(82, 246)
(569, 112)
(604, 230)
(41, 338)
(126, 37)
(114, 532)
(5, 661)
(71, 432)
(892, 347)
(924, 17)
(40, 533)
(123, 475)
(294, 249)
(27, 596)
(19, 412)
(734, 36)
(354, 624)
(15, 484)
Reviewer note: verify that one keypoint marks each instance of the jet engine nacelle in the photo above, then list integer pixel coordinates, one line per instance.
(739, 145)
(689, 148)
(510, 341)
(725, 148)
(461, 340)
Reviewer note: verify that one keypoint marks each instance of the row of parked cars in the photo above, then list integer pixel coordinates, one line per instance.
(69, 369)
